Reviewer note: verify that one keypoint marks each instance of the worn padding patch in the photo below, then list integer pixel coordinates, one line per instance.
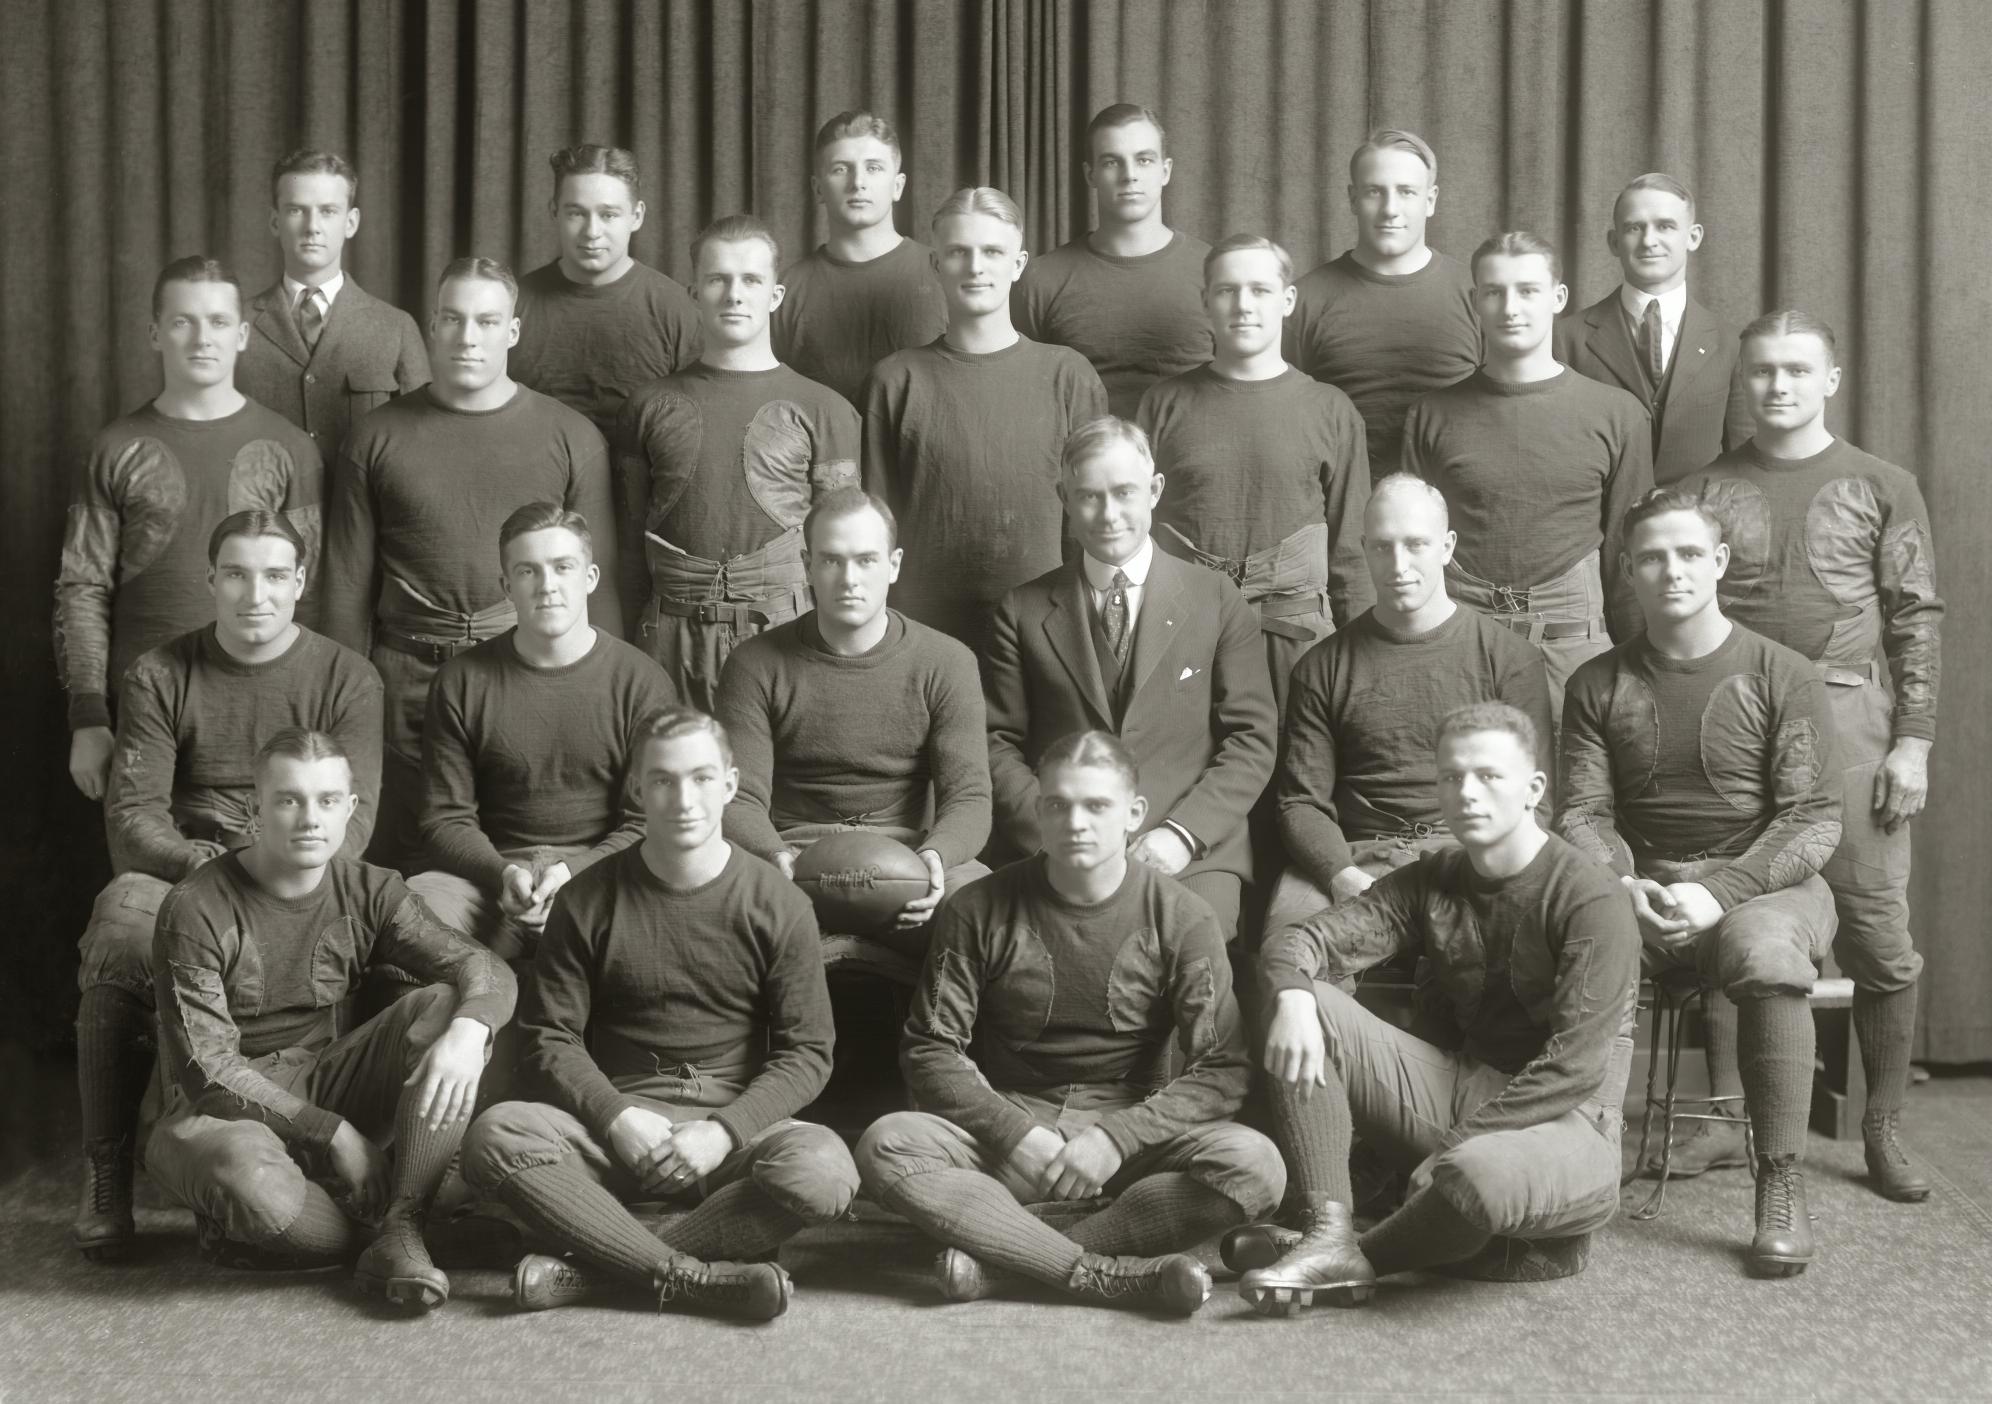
(1632, 736)
(1842, 533)
(150, 488)
(1735, 733)
(671, 431)
(259, 476)
(1746, 525)
(1135, 985)
(1805, 854)
(1017, 1005)
(1909, 566)
(775, 459)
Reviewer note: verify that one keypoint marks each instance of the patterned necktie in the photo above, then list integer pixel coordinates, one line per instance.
(1114, 617)
(1650, 343)
(310, 317)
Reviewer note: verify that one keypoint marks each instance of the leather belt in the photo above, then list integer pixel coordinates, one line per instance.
(437, 651)
(1275, 610)
(1550, 628)
(714, 611)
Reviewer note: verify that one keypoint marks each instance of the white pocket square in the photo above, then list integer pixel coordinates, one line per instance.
(1186, 673)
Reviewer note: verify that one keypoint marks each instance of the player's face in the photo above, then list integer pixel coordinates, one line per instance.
(859, 181)
(472, 333)
(1087, 814)
(198, 334)
(255, 581)
(978, 257)
(852, 562)
(313, 220)
(1487, 785)
(303, 807)
(1407, 545)
(1127, 171)
(736, 290)
(1791, 378)
(1110, 500)
(548, 578)
(1391, 197)
(596, 214)
(1247, 299)
(1674, 560)
(1517, 299)
(686, 785)
(1653, 232)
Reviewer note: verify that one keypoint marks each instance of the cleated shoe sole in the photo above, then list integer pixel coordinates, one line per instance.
(409, 1293)
(1273, 1299)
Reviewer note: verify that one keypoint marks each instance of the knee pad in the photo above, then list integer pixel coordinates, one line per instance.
(491, 1149)
(256, 1190)
(809, 1173)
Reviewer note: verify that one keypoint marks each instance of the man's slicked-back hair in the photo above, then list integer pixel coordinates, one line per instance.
(477, 266)
(981, 200)
(1243, 243)
(1491, 716)
(1404, 484)
(306, 162)
(590, 159)
(856, 122)
(737, 229)
(1517, 243)
(254, 522)
(194, 268)
(1789, 321)
(1122, 114)
(1395, 139)
(672, 722)
(1655, 180)
(1095, 436)
(544, 516)
(848, 501)
(1658, 502)
(304, 744)
(1092, 748)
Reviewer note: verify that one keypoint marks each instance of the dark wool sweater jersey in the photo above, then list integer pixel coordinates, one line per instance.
(1137, 319)
(965, 447)
(1536, 476)
(514, 756)
(1025, 991)
(1385, 339)
(1362, 711)
(1538, 972)
(1720, 756)
(823, 739)
(1832, 556)
(191, 722)
(420, 490)
(838, 319)
(1247, 463)
(241, 973)
(634, 977)
(134, 548)
(588, 346)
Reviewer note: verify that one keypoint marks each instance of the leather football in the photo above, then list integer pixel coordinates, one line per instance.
(859, 881)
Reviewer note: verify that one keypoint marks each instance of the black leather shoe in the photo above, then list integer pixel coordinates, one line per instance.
(1711, 1145)
(397, 1265)
(1523, 1260)
(104, 1229)
(752, 1291)
(1176, 1283)
(963, 1277)
(1326, 1267)
(541, 1282)
(1783, 1245)
(1894, 1175)
(1256, 1245)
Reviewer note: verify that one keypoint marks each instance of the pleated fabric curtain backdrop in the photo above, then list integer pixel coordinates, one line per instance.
(1838, 149)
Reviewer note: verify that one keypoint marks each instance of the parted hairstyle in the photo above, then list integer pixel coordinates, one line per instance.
(856, 122)
(254, 522)
(590, 159)
(736, 229)
(1093, 748)
(1240, 243)
(1656, 180)
(1517, 243)
(1658, 502)
(1789, 321)
(476, 266)
(1122, 114)
(194, 268)
(673, 722)
(544, 516)
(981, 200)
(845, 502)
(1096, 435)
(301, 743)
(1394, 138)
(1490, 716)
(304, 162)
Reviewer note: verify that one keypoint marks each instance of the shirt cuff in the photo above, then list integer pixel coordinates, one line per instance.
(1190, 840)
(88, 709)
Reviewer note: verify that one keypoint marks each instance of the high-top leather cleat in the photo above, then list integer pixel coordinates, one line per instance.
(1894, 1174)
(751, 1291)
(1783, 1245)
(541, 1282)
(1326, 1267)
(963, 1277)
(1176, 1283)
(1504, 1259)
(104, 1229)
(1256, 1245)
(397, 1264)
(1711, 1145)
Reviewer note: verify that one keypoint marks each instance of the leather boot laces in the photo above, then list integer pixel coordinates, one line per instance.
(684, 1278)
(1106, 1282)
(104, 1158)
(1881, 1135)
(1778, 1194)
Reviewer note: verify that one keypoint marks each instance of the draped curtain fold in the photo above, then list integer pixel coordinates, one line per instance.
(1837, 149)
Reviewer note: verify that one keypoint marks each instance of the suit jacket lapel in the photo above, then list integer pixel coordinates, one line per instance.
(1070, 637)
(273, 323)
(345, 308)
(1612, 344)
(1160, 618)
(1698, 345)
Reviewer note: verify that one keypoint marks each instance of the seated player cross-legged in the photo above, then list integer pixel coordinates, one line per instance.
(274, 1133)
(1067, 972)
(676, 1021)
(1534, 961)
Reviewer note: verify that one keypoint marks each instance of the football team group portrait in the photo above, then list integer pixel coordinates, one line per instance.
(1181, 771)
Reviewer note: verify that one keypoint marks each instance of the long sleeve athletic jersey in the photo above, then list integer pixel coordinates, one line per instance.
(1722, 756)
(838, 319)
(589, 345)
(1249, 462)
(1538, 971)
(134, 550)
(1832, 556)
(1025, 991)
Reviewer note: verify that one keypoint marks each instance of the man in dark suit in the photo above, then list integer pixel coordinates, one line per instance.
(1164, 654)
(322, 350)
(1648, 336)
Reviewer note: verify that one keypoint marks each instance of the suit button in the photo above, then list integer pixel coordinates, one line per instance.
(311, 380)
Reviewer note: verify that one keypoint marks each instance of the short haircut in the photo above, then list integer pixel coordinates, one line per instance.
(737, 229)
(1789, 321)
(673, 722)
(1242, 243)
(475, 266)
(194, 268)
(1395, 139)
(1123, 114)
(544, 516)
(1658, 502)
(1092, 748)
(856, 122)
(1403, 484)
(981, 200)
(1517, 243)
(1095, 436)
(848, 501)
(317, 163)
(1655, 180)
(304, 744)
(254, 522)
(1490, 716)
(589, 159)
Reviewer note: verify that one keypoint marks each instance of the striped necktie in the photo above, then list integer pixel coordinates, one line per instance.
(310, 317)
(1114, 617)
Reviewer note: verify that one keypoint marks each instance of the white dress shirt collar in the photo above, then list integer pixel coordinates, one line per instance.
(1100, 575)
(329, 290)
(1673, 303)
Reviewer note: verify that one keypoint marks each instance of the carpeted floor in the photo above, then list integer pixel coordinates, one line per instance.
(1896, 1307)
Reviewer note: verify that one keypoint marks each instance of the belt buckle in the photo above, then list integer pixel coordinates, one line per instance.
(708, 612)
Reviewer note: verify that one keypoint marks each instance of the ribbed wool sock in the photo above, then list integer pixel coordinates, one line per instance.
(1165, 1213)
(973, 1212)
(1426, 1232)
(567, 1206)
(1885, 1023)
(1314, 1133)
(113, 1061)
(1719, 1027)
(737, 1221)
(1774, 1046)
(421, 1156)
(321, 1232)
